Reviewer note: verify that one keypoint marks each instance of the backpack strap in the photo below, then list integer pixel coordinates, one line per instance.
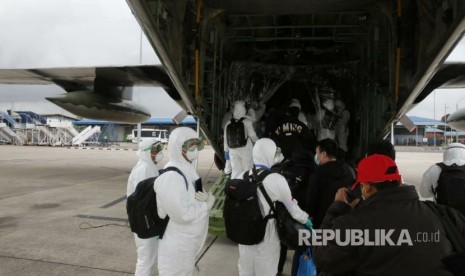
(441, 165)
(262, 189)
(174, 169)
(259, 177)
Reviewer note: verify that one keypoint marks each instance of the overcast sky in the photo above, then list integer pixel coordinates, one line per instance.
(72, 33)
(87, 33)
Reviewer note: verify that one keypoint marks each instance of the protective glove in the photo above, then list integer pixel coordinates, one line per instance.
(201, 196)
(210, 201)
(226, 155)
(309, 224)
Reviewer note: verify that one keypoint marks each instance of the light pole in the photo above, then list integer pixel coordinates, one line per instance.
(457, 108)
(434, 117)
(445, 124)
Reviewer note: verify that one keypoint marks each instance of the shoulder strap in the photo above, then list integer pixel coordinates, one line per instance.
(262, 189)
(441, 165)
(450, 228)
(174, 169)
(241, 119)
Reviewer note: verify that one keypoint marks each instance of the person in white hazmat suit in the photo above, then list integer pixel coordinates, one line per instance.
(256, 116)
(454, 154)
(326, 120)
(150, 153)
(241, 158)
(342, 131)
(188, 211)
(262, 259)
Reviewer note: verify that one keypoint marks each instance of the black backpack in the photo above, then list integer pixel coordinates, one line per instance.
(450, 220)
(287, 227)
(243, 219)
(235, 134)
(141, 207)
(297, 176)
(451, 186)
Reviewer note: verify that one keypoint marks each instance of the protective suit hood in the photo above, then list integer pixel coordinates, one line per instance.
(239, 110)
(177, 139)
(454, 154)
(264, 152)
(295, 103)
(143, 151)
(328, 104)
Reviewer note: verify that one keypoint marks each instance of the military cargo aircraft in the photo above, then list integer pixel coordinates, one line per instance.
(380, 57)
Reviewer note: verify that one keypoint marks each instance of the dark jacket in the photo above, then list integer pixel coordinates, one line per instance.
(395, 208)
(322, 188)
(297, 172)
(290, 135)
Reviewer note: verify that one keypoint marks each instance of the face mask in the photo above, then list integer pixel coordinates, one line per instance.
(317, 162)
(159, 157)
(278, 157)
(192, 155)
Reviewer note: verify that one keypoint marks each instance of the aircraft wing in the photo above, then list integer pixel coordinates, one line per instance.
(449, 75)
(101, 93)
(101, 80)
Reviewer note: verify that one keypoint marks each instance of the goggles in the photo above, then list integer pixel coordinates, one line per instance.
(193, 144)
(156, 148)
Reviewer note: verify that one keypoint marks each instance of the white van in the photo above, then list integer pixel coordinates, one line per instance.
(160, 134)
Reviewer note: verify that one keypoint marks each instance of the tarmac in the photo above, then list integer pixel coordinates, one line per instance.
(62, 211)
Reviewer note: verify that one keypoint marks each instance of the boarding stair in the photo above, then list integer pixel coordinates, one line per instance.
(9, 136)
(45, 136)
(64, 133)
(89, 133)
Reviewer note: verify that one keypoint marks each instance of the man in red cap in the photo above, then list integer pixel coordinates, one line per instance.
(390, 233)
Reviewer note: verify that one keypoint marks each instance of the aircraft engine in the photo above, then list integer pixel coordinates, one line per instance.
(456, 120)
(91, 105)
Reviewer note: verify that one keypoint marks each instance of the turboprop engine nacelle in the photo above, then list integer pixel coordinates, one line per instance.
(91, 105)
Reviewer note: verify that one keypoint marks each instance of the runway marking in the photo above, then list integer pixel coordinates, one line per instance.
(51, 262)
(101, 218)
(114, 202)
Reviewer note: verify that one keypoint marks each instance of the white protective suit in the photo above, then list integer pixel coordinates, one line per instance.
(256, 116)
(454, 154)
(187, 229)
(342, 131)
(241, 158)
(326, 130)
(147, 249)
(262, 259)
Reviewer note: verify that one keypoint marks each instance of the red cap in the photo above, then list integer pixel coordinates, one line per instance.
(376, 168)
